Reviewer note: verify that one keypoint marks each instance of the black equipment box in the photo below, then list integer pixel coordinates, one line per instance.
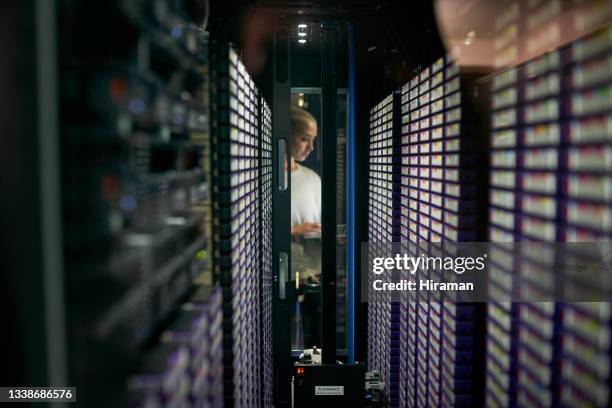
(328, 385)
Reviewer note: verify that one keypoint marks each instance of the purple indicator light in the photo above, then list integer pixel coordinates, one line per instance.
(176, 32)
(136, 106)
(127, 203)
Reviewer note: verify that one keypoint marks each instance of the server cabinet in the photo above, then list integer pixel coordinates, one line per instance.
(383, 313)
(435, 195)
(440, 204)
(550, 177)
(134, 120)
(241, 139)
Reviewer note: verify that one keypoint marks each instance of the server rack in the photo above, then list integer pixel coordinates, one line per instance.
(440, 203)
(550, 182)
(148, 148)
(585, 358)
(501, 350)
(241, 136)
(383, 313)
(135, 188)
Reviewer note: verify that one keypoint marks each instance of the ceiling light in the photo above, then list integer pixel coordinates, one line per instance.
(302, 34)
(302, 25)
(302, 41)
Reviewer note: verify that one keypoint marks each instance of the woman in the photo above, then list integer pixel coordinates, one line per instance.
(305, 230)
(305, 183)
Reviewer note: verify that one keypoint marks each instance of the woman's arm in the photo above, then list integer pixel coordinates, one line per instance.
(307, 228)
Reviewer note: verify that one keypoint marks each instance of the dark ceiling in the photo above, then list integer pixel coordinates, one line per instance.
(397, 38)
(403, 31)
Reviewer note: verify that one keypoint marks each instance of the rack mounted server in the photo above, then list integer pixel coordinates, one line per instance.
(383, 318)
(136, 184)
(242, 215)
(425, 171)
(166, 194)
(551, 175)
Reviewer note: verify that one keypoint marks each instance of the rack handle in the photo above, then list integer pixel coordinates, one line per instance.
(283, 273)
(283, 173)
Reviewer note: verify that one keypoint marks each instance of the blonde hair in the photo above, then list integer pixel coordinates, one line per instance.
(300, 120)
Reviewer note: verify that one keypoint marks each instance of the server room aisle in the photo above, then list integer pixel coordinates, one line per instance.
(151, 257)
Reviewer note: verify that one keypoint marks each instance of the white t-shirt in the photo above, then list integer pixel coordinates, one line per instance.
(305, 196)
